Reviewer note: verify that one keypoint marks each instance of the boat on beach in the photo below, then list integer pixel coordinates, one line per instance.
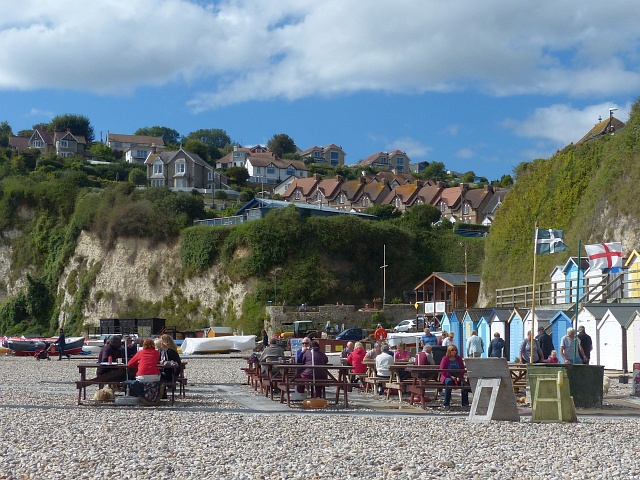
(20, 346)
(229, 343)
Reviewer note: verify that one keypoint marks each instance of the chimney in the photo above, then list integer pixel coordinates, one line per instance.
(154, 149)
(363, 180)
(235, 148)
(317, 176)
(339, 178)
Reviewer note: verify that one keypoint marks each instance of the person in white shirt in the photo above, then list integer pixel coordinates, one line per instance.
(383, 362)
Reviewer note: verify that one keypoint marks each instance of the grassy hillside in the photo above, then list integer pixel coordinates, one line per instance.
(585, 190)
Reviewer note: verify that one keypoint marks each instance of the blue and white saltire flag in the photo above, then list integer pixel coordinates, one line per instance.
(549, 240)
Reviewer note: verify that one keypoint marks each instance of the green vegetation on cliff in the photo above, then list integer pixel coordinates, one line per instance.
(568, 191)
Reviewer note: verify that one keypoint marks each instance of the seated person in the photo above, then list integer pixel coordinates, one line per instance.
(374, 352)
(402, 355)
(110, 350)
(273, 353)
(383, 362)
(454, 362)
(346, 351)
(553, 357)
(355, 359)
(146, 361)
(314, 356)
(425, 357)
(171, 355)
(129, 349)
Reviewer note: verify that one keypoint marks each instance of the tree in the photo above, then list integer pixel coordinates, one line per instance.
(5, 133)
(468, 177)
(280, 144)
(435, 171)
(197, 147)
(77, 124)
(383, 212)
(214, 138)
(237, 175)
(137, 177)
(102, 152)
(169, 135)
(506, 181)
(421, 216)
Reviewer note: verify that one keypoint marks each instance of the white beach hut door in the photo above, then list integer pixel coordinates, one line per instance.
(610, 343)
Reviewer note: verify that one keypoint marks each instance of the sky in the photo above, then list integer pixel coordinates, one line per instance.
(480, 86)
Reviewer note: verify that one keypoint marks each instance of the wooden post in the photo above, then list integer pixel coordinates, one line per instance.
(533, 297)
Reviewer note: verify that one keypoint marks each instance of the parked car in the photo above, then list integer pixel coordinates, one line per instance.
(405, 326)
(353, 334)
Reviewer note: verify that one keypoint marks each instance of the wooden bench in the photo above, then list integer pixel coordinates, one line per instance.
(291, 379)
(396, 383)
(420, 385)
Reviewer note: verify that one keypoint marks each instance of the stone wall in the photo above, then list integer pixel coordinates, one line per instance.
(337, 314)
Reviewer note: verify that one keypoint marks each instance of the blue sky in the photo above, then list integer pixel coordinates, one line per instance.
(479, 86)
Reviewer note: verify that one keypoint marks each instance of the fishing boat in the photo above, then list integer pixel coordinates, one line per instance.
(22, 347)
(225, 344)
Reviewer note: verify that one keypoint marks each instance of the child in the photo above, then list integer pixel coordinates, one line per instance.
(553, 357)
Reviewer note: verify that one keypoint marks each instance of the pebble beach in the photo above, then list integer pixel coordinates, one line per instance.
(212, 434)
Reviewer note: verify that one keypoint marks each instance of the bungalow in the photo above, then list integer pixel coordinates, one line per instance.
(179, 170)
(454, 290)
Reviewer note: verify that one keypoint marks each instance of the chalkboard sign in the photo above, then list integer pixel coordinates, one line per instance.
(295, 344)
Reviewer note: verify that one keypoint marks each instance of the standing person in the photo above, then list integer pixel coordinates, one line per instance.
(545, 342)
(525, 350)
(449, 340)
(475, 345)
(585, 343)
(497, 346)
(570, 348)
(265, 339)
(454, 362)
(428, 338)
(61, 344)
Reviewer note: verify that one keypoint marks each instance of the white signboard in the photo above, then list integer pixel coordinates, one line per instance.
(440, 307)
(428, 308)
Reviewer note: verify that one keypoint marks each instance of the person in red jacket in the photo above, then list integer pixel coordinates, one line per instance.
(147, 361)
(356, 357)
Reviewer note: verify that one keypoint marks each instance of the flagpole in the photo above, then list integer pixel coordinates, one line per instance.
(575, 344)
(533, 295)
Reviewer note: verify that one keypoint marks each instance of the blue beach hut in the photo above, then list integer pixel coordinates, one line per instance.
(574, 276)
(559, 324)
(516, 334)
(476, 319)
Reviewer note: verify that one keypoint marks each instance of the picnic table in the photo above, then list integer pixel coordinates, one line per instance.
(84, 382)
(337, 376)
(421, 382)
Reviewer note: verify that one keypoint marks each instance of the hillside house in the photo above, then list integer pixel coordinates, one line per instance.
(331, 154)
(179, 170)
(63, 144)
(136, 148)
(395, 160)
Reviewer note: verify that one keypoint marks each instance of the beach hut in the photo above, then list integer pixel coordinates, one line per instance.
(543, 319)
(633, 339)
(498, 322)
(558, 290)
(574, 281)
(476, 319)
(610, 345)
(452, 322)
(516, 334)
(589, 317)
(560, 322)
(632, 274)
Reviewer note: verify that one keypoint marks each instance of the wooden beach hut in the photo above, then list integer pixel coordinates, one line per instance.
(632, 274)
(516, 333)
(476, 319)
(452, 322)
(574, 278)
(558, 290)
(560, 322)
(543, 319)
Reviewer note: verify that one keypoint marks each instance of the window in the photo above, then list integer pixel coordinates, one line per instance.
(238, 154)
(397, 202)
(341, 199)
(399, 161)
(383, 160)
(319, 196)
(317, 154)
(182, 183)
(37, 144)
(181, 168)
(442, 206)
(65, 154)
(141, 153)
(210, 176)
(157, 182)
(271, 171)
(157, 168)
(297, 194)
(291, 170)
(64, 144)
(335, 156)
(365, 201)
(465, 209)
(400, 167)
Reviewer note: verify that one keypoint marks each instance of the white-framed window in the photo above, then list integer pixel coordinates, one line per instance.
(400, 167)
(157, 168)
(64, 144)
(297, 195)
(271, 171)
(383, 160)
(442, 205)
(37, 144)
(419, 201)
(141, 153)
(317, 154)
(365, 201)
(181, 168)
(318, 196)
(182, 183)
(397, 202)
(210, 176)
(341, 199)
(157, 182)
(291, 170)
(465, 209)
(65, 154)
(238, 154)
(258, 170)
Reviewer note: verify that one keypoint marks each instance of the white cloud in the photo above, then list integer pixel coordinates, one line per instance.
(561, 124)
(232, 51)
(465, 153)
(413, 148)
(36, 112)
